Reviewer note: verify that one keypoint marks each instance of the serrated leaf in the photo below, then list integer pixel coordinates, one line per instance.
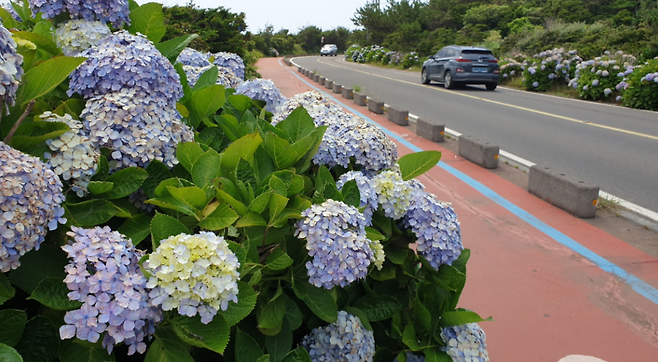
(31, 134)
(415, 164)
(378, 308)
(298, 354)
(215, 138)
(436, 355)
(351, 193)
(157, 172)
(278, 260)
(205, 103)
(272, 313)
(208, 78)
(242, 148)
(92, 212)
(320, 301)
(362, 316)
(213, 335)
(192, 196)
(459, 317)
(99, 187)
(43, 78)
(206, 168)
(148, 19)
(280, 151)
(279, 345)
(297, 125)
(78, 352)
(409, 337)
(8, 354)
(71, 106)
(7, 292)
(13, 323)
(277, 205)
(39, 342)
(222, 217)
(52, 292)
(246, 348)
(163, 226)
(126, 181)
(236, 312)
(187, 153)
(137, 228)
(251, 219)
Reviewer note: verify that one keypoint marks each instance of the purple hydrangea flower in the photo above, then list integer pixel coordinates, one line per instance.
(10, 68)
(112, 11)
(194, 58)
(75, 36)
(345, 340)
(123, 60)
(30, 205)
(231, 61)
(436, 227)
(104, 275)
(336, 239)
(137, 128)
(465, 343)
(263, 90)
(412, 358)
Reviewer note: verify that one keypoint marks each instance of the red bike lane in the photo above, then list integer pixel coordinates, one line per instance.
(548, 299)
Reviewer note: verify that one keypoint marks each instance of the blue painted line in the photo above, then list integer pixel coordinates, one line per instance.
(640, 286)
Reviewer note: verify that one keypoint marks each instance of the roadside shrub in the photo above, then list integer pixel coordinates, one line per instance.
(510, 70)
(597, 79)
(548, 68)
(639, 87)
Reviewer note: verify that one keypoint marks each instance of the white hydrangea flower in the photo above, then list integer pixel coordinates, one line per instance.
(75, 36)
(394, 193)
(193, 273)
(378, 253)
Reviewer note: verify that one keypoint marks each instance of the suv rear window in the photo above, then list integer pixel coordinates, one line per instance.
(474, 51)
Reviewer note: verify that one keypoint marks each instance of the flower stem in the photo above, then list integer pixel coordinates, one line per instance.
(20, 120)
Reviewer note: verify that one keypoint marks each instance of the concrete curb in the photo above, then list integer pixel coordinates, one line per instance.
(360, 98)
(329, 84)
(398, 116)
(376, 107)
(430, 129)
(347, 93)
(478, 151)
(568, 193)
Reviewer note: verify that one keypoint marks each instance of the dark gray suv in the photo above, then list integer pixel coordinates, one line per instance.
(455, 65)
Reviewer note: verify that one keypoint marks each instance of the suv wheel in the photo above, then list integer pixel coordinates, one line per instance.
(491, 86)
(423, 77)
(447, 81)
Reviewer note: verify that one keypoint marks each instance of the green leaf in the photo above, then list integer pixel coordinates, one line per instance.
(240, 102)
(298, 354)
(187, 153)
(378, 308)
(52, 292)
(222, 217)
(409, 337)
(280, 151)
(242, 148)
(362, 316)
(297, 125)
(87, 352)
(213, 335)
(103, 171)
(415, 164)
(260, 203)
(42, 42)
(251, 219)
(7, 292)
(319, 300)
(163, 226)
(99, 187)
(45, 77)
(125, 182)
(206, 168)
(436, 355)
(279, 346)
(246, 348)
(277, 204)
(37, 265)
(235, 204)
(278, 260)
(40, 340)
(31, 134)
(246, 303)
(171, 49)
(206, 102)
(192, 196)
(373, 234)
(215, 138)
(422, 316)
(13, 323)
(136, 228)
(278, 186)
(271, 315)
(72, 106)
(8, 20)
(148, 19)
(264, 358)
(208, 78)
(8, 354)
(351, 193)
(459, 317)
(92, 212)
(167, 347)
(293, 314)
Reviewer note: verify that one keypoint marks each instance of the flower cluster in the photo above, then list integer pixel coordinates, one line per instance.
(639, 84)
(436, 227)
(75, 36)
(123, 61)
(194, 58)
(263, 90)
(194, 273)
(465, 343)
(30, 205)
(72, 155)
(231, 61)
(510, 68)
(10, 67)
(344, 340)
(393, 192)
(369, 201)
(319, 107)
(228, 79)
(112, 11)
(137, 128)
(336, 239)
(104, 275)
(596, 79)
(549, 67)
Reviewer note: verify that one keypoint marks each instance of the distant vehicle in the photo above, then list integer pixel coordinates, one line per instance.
(456, 65)
(329, 49)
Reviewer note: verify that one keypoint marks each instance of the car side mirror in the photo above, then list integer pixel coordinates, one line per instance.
(432, 57)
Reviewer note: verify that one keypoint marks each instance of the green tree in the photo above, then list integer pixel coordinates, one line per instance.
(309, 38)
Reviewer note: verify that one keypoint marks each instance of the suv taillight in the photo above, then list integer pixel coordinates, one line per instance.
(493, 61)
(462, 60)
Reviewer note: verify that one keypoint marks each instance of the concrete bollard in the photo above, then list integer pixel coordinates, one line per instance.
(316, 77)
(360, 98)
(329, 84)
(430, 129)
(478, 151)
(299, 69)
(347, 93)
(376, 107)
(336, 88)
(568, 193)
(398, 116)
(320, 80)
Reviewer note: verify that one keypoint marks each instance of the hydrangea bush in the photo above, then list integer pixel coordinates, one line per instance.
(144, 217)
(598, 78)
(549, 67)
(639, 84)
(378, 54)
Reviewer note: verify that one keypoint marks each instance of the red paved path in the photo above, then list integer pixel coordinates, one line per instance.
(547, 301)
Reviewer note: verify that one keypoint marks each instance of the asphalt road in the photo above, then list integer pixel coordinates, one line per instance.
(613, 147)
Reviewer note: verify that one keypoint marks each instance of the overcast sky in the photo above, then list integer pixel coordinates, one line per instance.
(284, 14)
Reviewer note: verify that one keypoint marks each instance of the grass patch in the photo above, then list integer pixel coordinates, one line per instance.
(604, 204)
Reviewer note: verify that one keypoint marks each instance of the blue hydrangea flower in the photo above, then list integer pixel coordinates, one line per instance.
(10, 9)
(107, 11)
(412, 358)
(123, 60)
(30, 205)
(75, 36)
(10, 67)
(436, 227)
(72, 155)
(393, 193)
(194, 58)
(336, 240)
(231, 61)
(319, 107)
(345, 340)
(195, 274)
(137, 128)
(369, 201)
(228, 79)
(104, 275)
(465, 343)
(263, 90)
